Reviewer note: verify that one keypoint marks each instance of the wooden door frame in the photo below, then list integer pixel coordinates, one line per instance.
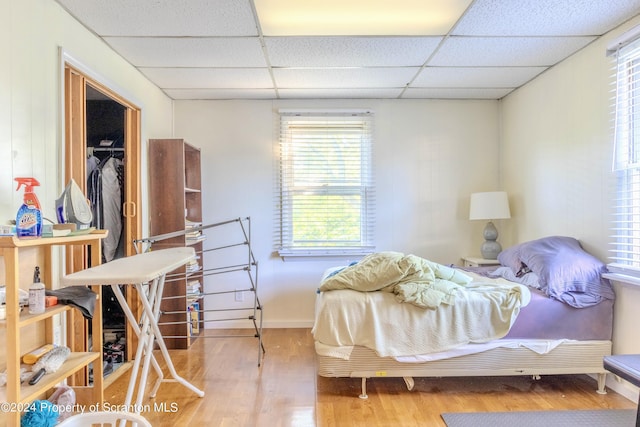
(75, 81)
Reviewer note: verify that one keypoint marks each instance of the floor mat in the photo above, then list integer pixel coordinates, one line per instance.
(582, 418)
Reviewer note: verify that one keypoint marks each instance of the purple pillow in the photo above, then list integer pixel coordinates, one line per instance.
(510, 257)
(566, 271)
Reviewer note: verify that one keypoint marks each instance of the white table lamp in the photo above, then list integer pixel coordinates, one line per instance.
(489, 206)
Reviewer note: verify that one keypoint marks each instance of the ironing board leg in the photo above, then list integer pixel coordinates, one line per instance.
(155, 301)
(139, 351)
(163, 348)
(154, 297)
(138, 357)
(133, 322)
(147, 343)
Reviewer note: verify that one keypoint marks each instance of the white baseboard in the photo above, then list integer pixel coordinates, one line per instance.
(622, 387)
(244, 324)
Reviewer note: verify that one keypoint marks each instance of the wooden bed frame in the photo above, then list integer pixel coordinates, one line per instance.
(571, 357)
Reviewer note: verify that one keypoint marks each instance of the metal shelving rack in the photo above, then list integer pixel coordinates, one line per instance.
(239, 247)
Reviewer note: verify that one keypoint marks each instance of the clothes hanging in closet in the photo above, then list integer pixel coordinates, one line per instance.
(106, 196)
(92, 163)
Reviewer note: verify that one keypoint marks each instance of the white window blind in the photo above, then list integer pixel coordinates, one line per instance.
(626, 162)
(326, 189)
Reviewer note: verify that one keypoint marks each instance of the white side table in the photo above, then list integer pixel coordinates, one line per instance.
(468, 261)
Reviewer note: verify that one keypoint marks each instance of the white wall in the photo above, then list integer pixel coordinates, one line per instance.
(429, 157)
(31, 33)
(557, 151)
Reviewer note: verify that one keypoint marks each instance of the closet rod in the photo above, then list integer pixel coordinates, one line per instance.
(107, 149)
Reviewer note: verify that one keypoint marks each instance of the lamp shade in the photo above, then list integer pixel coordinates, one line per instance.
(489, 205)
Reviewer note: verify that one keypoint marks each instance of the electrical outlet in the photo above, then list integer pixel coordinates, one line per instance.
(239, 295)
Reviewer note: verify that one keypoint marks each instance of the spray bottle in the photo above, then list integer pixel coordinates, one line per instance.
(36, 294)
(29, 217)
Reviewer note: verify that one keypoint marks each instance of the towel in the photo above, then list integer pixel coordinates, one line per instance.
(81, 297)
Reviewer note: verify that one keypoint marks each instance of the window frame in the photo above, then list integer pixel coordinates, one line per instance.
(295, 127)
(625, 229)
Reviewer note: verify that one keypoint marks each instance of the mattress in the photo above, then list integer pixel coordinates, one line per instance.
(346, 318)
(546, 318)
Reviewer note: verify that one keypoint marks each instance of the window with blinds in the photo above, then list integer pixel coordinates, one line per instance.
(626, 162)
(326, 189)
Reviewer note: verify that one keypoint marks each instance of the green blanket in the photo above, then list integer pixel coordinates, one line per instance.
(412, 279)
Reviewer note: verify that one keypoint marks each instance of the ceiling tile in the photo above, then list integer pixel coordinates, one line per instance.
(343, 77)
(350, 51)
(220, 51)
(192, 78)
(454, 93)
(544, 17)
(339, 93)
(486, 77)
(190, 51)
(358, 17)
(506, 51)
(221, 93)
(165, 17)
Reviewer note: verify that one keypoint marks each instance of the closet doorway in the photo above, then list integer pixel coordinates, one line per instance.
(102, 130)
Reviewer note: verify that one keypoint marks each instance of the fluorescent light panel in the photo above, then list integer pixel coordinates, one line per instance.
(358, 17)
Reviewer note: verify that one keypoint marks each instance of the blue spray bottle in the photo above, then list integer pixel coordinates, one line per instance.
(29, 217)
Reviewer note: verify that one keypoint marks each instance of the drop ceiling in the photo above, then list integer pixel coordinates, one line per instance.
(310, 49)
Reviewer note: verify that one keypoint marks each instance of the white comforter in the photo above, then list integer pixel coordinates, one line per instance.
(480, 311)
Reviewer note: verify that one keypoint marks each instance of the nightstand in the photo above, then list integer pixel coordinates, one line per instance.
(469, 261)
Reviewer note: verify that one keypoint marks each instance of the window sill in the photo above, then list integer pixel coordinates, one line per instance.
(623, 278)
(322, 255)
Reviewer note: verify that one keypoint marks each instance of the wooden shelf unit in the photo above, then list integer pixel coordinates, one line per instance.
(40, 251)
(175, 198)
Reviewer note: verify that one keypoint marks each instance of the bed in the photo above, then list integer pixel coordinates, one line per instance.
(544, 310)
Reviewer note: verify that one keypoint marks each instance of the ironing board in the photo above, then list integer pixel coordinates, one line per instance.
(147, 268)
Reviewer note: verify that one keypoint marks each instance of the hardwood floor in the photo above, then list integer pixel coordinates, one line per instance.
(282, 392)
